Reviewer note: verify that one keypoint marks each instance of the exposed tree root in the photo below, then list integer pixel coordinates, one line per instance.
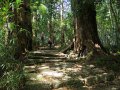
(70, 46)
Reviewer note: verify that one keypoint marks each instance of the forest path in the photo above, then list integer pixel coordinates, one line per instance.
(51, 70)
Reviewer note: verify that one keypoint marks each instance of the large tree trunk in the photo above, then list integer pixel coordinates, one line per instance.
(87, 27)
(22, 19)
(25, 22)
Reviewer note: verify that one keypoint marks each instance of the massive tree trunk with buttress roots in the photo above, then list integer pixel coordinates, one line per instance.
(86, 31)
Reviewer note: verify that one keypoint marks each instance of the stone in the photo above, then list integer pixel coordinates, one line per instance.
(91, 66)
(102, 78)
(110, 77)
(91, 80)
(98, 71)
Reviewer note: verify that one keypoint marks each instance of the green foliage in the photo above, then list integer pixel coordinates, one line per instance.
(43, 9)
(47, 13)
(107, 24)
(108, 62)
(12, 76)
(11, 70)
(18, 2)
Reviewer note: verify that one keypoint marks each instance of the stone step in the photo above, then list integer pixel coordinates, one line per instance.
(45, 57)
(45, 51)
(45, 79)
(36, 61)
(42, 54)
(47, 48)
(79, 84)
(39, 82)
(45, 54)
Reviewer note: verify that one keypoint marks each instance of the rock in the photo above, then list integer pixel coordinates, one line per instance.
(102, 78)
(74, 83)
(91, 66)
(91, 80)
(98, 71)
(119, 77)
(85, 73)
(56, 83)
(113, 88)
(116, 81)
(110, 77)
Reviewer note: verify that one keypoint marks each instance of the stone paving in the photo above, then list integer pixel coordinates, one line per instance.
(52, 70)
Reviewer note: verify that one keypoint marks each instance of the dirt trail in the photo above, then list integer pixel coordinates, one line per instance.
(52, 70)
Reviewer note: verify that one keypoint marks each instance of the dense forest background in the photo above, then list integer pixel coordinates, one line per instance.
(86, 27)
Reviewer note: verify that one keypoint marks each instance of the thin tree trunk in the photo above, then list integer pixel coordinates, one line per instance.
(50, 21)
(61, 24)
(116, 21)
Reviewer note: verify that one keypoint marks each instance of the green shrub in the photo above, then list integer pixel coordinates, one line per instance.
(12, 75)
(109, 62)
(11, 71)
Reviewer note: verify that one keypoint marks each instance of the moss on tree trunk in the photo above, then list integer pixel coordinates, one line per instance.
(22, 19)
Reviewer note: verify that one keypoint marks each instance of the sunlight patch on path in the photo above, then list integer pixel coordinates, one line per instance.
(64, 75)
(52, 73)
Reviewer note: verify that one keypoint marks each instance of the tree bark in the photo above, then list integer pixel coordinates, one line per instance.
(25, 22)
(76, 26)
(22, 19)
(87, 27)
(50, 20)
(61, 23)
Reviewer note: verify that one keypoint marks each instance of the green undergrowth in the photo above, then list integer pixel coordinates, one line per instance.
(12, 76)
(109, 62)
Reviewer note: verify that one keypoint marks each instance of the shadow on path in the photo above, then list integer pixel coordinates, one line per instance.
(51, 70)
